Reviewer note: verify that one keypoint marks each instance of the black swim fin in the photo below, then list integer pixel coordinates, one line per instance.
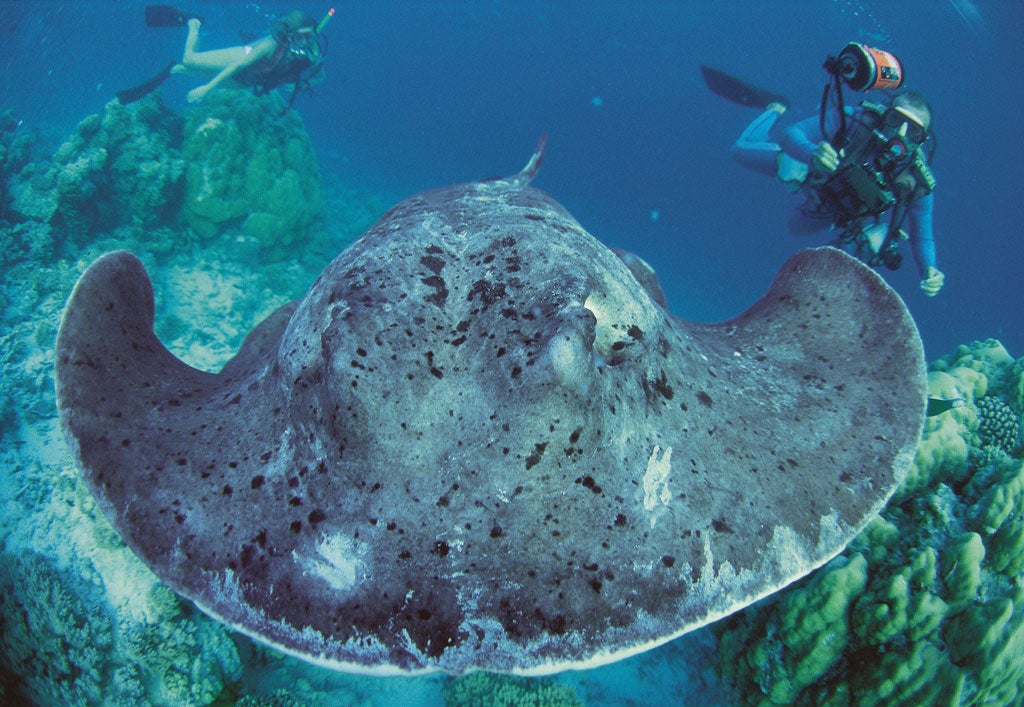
(167, 16)
(130, 95)
(739, 91)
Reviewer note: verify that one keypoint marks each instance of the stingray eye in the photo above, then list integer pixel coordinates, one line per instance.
(571, 349)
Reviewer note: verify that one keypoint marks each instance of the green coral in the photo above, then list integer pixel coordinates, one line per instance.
(492, 690)
(926, 605)
(251, 168)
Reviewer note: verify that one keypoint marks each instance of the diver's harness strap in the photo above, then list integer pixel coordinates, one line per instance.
(861, 190)
(297, 61)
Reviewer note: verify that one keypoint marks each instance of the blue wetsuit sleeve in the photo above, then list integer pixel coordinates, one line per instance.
(919, 229)
(800, 139)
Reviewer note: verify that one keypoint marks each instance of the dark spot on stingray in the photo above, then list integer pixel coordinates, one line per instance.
(440, 548)
(488, 292)
(704, 398)
(440, 295)
(538, 452)
(516, 371)
(668, 560)
(661, 386)
(296, 526)
(227, 491)
(721, 526)
(433, 263)
(496, 531)
(294, 501)
(635, 332)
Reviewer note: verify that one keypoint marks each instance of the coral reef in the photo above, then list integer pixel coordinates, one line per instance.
(84, 622)
(251, 168)
(121, 168)
(926, 606)
(489, 690)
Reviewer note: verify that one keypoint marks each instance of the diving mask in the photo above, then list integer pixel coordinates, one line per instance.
(905, 125)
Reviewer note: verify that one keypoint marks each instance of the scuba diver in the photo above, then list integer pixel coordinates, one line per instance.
(863, 169)
(291, 54)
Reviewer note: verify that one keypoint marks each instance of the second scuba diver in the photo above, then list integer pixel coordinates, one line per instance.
(291, 54)
(863, 169)
(282, 57)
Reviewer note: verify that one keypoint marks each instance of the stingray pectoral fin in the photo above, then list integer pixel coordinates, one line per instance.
(148, 430)
(106, 340)
(844, 355)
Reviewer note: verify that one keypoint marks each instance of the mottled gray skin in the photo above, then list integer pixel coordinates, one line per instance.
(479, 443)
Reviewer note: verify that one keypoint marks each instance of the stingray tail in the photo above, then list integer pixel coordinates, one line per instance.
(530, 170)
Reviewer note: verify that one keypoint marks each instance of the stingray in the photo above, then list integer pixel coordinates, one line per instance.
(481, 442)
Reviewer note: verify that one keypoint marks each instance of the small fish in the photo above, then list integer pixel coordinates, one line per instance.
(937, 406)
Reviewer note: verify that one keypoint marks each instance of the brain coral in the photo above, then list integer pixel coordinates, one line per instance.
(926, 606)
(250, 168)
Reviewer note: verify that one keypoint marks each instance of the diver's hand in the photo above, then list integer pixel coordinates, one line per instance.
(824, 159)
(932, 282)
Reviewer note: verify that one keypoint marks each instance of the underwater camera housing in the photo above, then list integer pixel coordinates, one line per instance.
(865, 68)
(861, 68)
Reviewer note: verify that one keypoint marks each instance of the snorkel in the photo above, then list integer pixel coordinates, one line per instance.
(324, 21)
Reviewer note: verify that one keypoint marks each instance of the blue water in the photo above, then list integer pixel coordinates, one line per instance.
(419, 94)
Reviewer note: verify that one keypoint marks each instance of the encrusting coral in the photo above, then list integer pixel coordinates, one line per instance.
(926, 606)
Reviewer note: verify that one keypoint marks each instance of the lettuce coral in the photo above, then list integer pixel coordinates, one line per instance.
(251, 168)
(926, 606)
